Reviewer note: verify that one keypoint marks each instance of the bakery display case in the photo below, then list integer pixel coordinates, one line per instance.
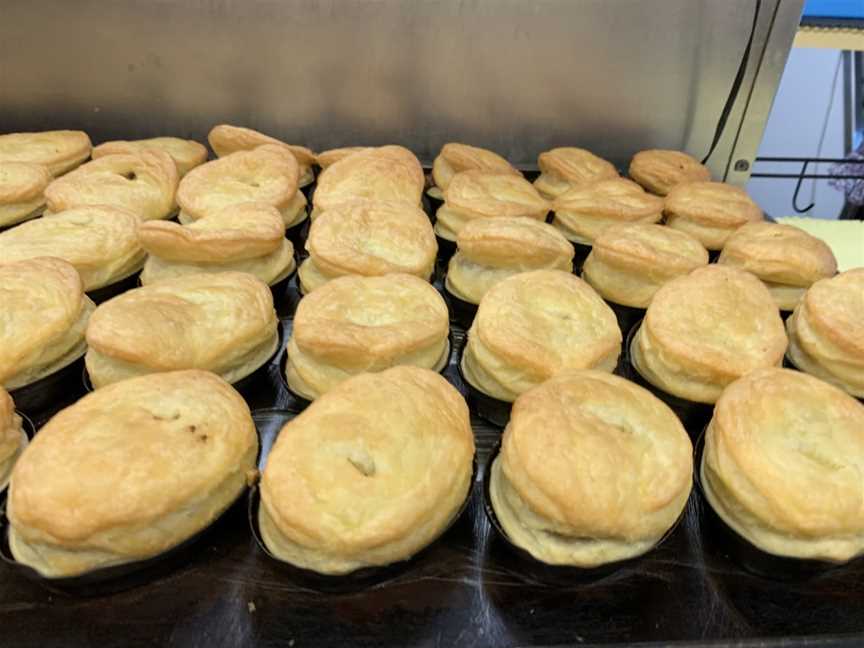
(439, 108)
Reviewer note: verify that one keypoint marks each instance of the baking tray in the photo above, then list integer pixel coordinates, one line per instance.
(469, 591)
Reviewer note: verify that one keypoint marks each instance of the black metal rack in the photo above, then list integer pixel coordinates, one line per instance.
(802, 175)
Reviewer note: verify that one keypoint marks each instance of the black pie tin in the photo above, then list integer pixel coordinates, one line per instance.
(298, 234)
(627, 316)
(112, 290)
(694, 416)
(297, 402)
(720, 538)
(430, 200)
(247, 386)
(286, 295)
(461, 312)
(492, 410)
(545, 572)
(353, 581)
(52, 392)
(426, 206)
(116, 578)
(446, 249)
(309, 188)
(582, 252)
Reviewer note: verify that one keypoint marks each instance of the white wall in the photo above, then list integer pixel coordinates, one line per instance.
(802, 108)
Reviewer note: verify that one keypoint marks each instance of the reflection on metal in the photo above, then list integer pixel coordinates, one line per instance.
(517, 76)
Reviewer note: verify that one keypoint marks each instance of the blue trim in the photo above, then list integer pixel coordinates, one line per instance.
(841, 9)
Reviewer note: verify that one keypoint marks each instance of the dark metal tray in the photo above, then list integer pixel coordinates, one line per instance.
(466, 591)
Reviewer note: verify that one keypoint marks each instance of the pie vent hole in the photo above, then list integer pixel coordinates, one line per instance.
(362, 461)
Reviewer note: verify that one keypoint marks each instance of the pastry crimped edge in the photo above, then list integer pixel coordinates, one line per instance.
(809, 363)
(105, 370)
(293, 375)
(62, 352)
(270, 268)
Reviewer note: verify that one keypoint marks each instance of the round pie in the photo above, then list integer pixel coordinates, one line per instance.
(226, 139)
(565, 168)
(247, 237)
(706, 329)
(142, 183)
(356, 324)
(369, 474)
(534, 325)
(659, 171)
(99, 240)
(584, 212)
(592, 469)
(787, 259)
(782, 465)
(266, 174)
(22, 191)
(455, 158)
(385, 173)
(370, 239)
(187, 154)
(129, 472)
(224, 323)
(44, 315)
(826, 331)
(60, 150)
(493, 249)
(473, 195)
(628, 263)
(710, 211)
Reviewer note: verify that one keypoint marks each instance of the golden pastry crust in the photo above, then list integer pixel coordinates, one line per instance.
(628, 263)
(782, 465)
(616, 481)
(13, 439)
(369, 239)
(455, 158)
(22, 191)
(473, 195)
(225, 140)
(99, 240)
(358, 324)
(264, 175)
(328, 158)
(45, 313)
(490, 250)
(707, 329)
(659, 171)
(59, 151)
(369, 474)
(826, 331)
(568, 167)
(784, 257)
(129, 472)
(584, 212)
(224, 323)
(143, 183)
(187, 154)
(385, 173)
(248, 237)
(535, 325)
(710, 211)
